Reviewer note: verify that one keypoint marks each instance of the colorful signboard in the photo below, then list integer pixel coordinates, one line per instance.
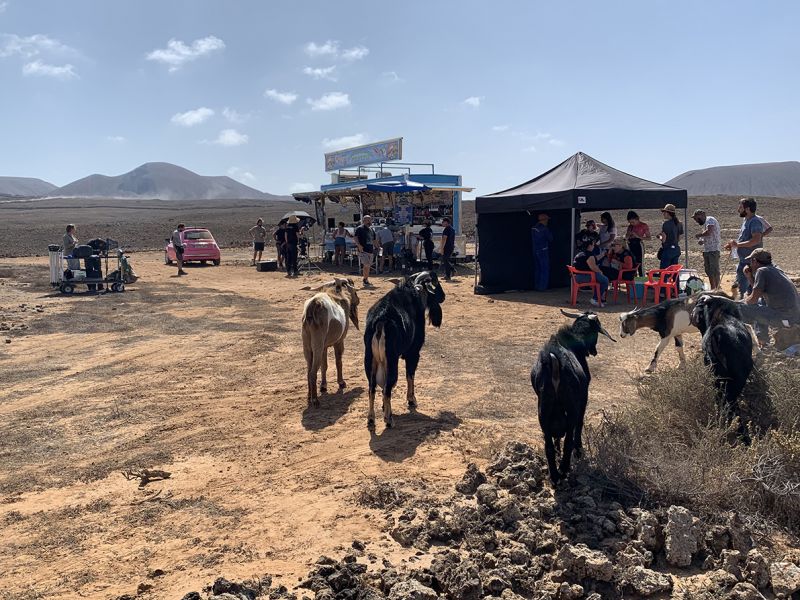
(364, 155)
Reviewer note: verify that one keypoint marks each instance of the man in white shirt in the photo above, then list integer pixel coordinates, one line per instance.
(711, 240)
(386, 239)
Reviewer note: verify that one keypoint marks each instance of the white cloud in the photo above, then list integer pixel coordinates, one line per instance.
(555, 142)
(176, 54)
(234, 116)
(529, 149)
(321, 73)
(38, 68)
(32, 45)
(355, 53)
(302, 187)
(192, 117)
(347, 141)
(329, 48)
(231, 137)
(500, 128)
(282, 97)
(117, 139)
(473, 101)
(330, 101)
(3, 6)
(241, 175)
(391, 77)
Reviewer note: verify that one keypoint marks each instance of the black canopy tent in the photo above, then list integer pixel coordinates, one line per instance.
(580, 183)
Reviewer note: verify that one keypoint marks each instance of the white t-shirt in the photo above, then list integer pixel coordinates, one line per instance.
(713, 242)
(385, 236)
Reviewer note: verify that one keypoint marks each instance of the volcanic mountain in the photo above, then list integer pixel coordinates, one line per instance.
(777, 179)
(160, 180)
(24, 186)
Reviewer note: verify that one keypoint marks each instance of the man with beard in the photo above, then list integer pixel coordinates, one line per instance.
(750, 238)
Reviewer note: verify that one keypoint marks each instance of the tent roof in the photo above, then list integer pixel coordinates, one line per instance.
(583, 182)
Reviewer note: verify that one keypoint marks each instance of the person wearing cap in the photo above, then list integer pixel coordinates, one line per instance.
(292, 239)
(751, 237)
(541, 237)
(773, 300)
(711, 241)
(671, 231)
(365, 239)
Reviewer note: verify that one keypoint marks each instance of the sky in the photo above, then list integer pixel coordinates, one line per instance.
(497, 92)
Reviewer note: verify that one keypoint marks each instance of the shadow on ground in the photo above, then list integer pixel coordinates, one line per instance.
(409, 431)
(332, 407)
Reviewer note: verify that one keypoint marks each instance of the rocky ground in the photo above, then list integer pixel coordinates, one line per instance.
(506, 533)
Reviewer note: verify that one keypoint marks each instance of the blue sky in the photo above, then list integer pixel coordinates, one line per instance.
(496, 91)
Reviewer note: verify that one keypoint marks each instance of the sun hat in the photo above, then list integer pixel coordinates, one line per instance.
(670, 208)
(293, 219)
(761, 255)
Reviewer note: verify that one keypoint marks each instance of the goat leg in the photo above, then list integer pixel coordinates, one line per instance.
(387, 408)
(410, 397)
(371, 413)
(323, 364)
(661, 345)
(679, 348)
(311, 375)
(550, 453)
(566, 455)
(338, 351)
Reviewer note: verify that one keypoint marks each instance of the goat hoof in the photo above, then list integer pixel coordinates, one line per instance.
(371, 424)
(323, 389)
(412, 404)
(578, 452)
(389, 422)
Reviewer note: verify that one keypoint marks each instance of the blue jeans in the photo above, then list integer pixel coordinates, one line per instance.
(601, 279)
(541, 275)
(669, 256)
(761, 317)
(741, 279)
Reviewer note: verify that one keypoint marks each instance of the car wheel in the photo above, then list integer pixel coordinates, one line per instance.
(167, 261)
(67, 288)
(216, 262)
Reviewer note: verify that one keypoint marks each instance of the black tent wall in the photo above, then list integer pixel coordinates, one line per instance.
(506, 250)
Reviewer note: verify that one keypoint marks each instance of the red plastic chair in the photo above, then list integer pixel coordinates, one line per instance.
(630, 289)
(592, 284)
(662, 279)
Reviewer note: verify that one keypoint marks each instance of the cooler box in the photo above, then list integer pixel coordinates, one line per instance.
(638, 287)
(267, 265)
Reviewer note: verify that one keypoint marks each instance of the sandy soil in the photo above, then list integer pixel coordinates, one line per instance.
(203, 376)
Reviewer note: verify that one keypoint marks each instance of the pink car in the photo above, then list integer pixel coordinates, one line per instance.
(198, 246)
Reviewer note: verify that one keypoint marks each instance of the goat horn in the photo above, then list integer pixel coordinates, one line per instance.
(570, 315)
(605, 333)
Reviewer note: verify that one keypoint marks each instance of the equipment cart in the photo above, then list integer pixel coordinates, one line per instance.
(66, 275)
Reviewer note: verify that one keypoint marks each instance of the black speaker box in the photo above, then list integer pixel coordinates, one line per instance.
(267, 265)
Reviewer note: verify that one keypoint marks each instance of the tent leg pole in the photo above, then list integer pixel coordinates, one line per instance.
(686, 237)
(572, 243)
(477, 241)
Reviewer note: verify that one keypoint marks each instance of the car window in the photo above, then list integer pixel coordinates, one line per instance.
(198, 235)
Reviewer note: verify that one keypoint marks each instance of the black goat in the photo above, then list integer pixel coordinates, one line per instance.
(727, 349)
(560, 377)
(396, 329)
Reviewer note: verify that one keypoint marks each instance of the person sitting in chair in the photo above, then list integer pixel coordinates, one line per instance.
(585, 261)
(618, 258)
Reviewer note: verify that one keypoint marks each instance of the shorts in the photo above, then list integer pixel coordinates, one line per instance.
(340, 241)
(711, 264)
(365, 258)
(179, 251)
(388, 249)
(258, 246)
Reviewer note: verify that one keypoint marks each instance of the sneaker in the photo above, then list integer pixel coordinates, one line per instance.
(594, 302)
(181, 272)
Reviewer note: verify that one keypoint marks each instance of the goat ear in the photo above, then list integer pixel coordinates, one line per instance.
(430, 287)
(434, 312)
(571, 315)
(354, 314)
(395, 280)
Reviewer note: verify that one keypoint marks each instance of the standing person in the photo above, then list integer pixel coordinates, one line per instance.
(259, 235)
(426, 235)
(585, 261)
(637, 233)
(773, 299)
(177, 243)
(68, 245)
(541, 236)
(340, 235)
(711, 241)
(280, 243)
(364, 240)
(386, 239)
(589, 234)
(446, 247)
(750, 238)
(670, 236)
(292, 240)
(607, 231)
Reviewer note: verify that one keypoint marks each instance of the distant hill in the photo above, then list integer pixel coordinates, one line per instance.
(24, 186)
(776, 180)
(164, 181)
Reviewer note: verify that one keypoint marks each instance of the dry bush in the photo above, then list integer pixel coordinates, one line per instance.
(674, 446)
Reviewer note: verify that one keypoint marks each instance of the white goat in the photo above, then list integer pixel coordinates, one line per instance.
(326, 318)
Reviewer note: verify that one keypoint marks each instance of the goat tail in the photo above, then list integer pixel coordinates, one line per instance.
(555, 371)
(379, 354)
(315, 313)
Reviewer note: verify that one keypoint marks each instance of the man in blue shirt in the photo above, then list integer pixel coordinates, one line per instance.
(541, 236)
(448, 244)
(750, 238)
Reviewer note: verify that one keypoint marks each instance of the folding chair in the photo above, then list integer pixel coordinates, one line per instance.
(305, 262)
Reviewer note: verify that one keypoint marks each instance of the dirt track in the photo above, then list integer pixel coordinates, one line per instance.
(203, 376)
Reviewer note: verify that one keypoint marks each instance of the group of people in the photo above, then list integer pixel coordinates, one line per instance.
(290, 240)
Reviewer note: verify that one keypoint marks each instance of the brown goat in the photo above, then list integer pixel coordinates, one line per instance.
(326, 318)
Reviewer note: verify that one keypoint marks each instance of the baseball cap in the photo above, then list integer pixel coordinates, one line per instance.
(698, 212)
(761, 255)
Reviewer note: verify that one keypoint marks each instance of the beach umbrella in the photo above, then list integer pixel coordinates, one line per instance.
(300, 214)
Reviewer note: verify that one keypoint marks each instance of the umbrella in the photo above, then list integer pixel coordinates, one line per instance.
(300, 214)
